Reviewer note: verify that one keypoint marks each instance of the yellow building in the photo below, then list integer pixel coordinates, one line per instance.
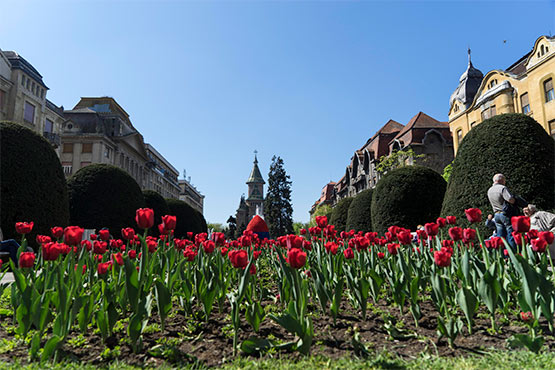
(526, 87)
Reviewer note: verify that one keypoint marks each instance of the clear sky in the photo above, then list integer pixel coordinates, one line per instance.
(209, 82)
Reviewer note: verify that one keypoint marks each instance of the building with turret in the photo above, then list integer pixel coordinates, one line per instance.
(254, 203)
(525, 87)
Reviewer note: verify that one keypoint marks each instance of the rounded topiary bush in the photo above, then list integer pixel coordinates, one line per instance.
(187, 218)
(33, 186)
(359, 216)
(157, 202)
(202, 220)
(339, 214)
(512, 144)
(102, 195)
(406, 197)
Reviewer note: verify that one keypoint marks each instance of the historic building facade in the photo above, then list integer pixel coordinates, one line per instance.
(527, 86)
(423, 134)
(23, 98)
(190, 195)
(162, 176)
(254, 203)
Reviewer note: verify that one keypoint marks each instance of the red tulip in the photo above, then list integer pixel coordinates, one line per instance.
(473, 215)
(24, 227)
(392, 248)
(518, 238)
(381, 255)
(321, 221)
(118, 258)
(86, 244)
(495, 243)
(296, 257)
(302, 231)
(441, 222)
(104, 267)
(128, 233)
(349, 254)
(169, 222)
(456, 233)
(238, 258)
(451, 220)
(539, 245)
(99, 247)
(57, 232)
(144, 218)
(26, 259)
(447, 243)
(151, 244)
(527, 316)
(208, 246)
(73, 235)
(132, 254)
(189, 253)
(431, 229)
(104, 234)
(43, 239)
(547, 236)
(442, 258)
(404, 237)
(51, 251)
(521, 224)
(468, 235)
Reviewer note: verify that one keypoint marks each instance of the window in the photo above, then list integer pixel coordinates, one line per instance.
(552, 128)
(34, 88)
(492, 83)
(2, 98)
(42, 93)
(456, 108)
(29, 113)
(28, 84)
(489, 112)
(87, 148)
(549, 93)
(48, 126)
(542, 50)
(68, 148)
(525, 103)
(22, 80)
(107, 152)
(459, 136)
(472, 125)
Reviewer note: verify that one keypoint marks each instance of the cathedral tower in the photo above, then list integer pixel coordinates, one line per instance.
(255, 199)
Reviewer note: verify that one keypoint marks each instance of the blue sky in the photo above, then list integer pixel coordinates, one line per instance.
(208, 82)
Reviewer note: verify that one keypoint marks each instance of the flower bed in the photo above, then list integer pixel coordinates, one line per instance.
(441, 290)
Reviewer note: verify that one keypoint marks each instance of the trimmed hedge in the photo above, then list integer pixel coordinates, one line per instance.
(188, 219)
(157, 202)
(406, 197)
(33, 186)
(102, 195)
(512, 144)
(359, 217)
(339, 214)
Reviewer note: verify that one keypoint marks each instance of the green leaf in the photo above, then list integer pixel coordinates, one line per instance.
(132, 284)
(50, 347)
(288, 323)
(163, 300)
(254, 345)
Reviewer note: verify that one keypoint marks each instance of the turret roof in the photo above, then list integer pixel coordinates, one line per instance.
(469, 82)
(255, 177)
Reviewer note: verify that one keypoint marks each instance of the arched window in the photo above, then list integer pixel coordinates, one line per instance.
(542, 50)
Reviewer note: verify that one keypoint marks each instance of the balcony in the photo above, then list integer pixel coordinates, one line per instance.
(53, 138)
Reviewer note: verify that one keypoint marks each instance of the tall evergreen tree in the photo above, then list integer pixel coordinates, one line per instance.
(277, 206)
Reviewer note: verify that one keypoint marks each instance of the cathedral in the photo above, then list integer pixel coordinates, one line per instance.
(254, 204)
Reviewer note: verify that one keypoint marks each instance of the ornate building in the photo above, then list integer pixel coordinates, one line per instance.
(254, 203)
(23, 98)
(423, 134)
(527, 86)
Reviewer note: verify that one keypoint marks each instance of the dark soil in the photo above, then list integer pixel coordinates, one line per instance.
(188, 340)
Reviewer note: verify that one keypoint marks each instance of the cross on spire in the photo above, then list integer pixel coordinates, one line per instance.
(469, 52)
(255, 153)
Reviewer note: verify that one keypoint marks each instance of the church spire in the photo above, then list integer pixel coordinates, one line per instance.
(256, 176)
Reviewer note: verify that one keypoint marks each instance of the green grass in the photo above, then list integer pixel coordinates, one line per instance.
(492, 360)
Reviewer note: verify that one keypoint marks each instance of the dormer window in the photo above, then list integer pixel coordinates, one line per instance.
(456, 108)
(492, 83)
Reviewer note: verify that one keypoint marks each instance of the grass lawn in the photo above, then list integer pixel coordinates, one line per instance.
(490, 360)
